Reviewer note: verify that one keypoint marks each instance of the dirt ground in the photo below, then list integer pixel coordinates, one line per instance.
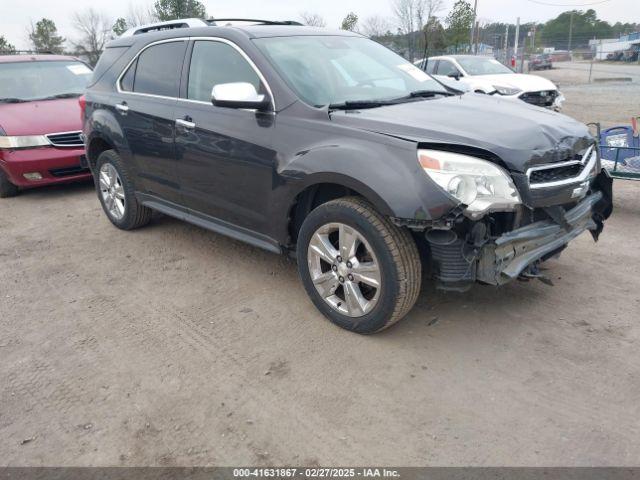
(172, 345)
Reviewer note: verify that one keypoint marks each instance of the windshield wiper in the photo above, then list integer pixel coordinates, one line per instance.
(12, 100)
(60, 95)
(428, 93)
(361, 104)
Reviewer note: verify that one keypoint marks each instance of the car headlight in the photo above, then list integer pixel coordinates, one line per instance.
(618, 140)
(507, 91)
(478, 184)
(25, 141)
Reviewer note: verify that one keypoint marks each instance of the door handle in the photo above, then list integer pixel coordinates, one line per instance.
(186, 124)
(122, 108)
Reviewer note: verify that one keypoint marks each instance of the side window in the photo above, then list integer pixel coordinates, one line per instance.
(445, 67)
(213, 63)
(158, 69)
(431, 67)
(126, 83)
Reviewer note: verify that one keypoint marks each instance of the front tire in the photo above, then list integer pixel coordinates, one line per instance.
(7, 189)
(361, 271)
(116, 192)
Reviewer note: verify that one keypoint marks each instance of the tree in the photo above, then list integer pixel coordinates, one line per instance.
(5, 46)
(459, 23)
(313, 19)
(140, 15)
(120, 26)
(575, 28)
(95, 31)
(350, 22)
(376, 26)
(173, 9)
(44, 37)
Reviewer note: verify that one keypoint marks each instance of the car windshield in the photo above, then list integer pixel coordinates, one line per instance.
(33, 80)
(333, 70)
(482, 66)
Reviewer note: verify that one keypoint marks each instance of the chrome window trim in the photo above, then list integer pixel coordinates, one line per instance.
(182, 39)
(589, 160)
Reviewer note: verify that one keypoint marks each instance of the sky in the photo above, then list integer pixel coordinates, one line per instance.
(15, 15)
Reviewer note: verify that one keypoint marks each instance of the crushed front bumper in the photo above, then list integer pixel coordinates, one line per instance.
(505, 258)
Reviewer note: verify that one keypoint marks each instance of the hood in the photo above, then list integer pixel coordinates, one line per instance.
(39, 118)
(519, 134)
(527, 83)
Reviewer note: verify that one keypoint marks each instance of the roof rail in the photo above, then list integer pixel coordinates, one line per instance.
(215, 21)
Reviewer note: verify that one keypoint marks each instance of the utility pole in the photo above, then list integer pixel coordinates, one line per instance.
(506, 46)
(473, 26)
(570, 33)
(517, 41)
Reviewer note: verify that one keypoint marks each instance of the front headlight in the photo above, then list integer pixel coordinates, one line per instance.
(507, 91)
(480, 185)
(25, 141)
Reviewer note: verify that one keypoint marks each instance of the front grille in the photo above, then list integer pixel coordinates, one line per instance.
(541, 99)
(555, 174)
(68, 171)
(66, 139)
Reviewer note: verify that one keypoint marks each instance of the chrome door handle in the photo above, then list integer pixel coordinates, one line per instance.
(122, 108)
(185, 124)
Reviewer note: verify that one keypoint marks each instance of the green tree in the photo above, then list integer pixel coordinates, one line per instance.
(120, 26)
(574, 29)
(44, 37)
(173, 9)
(5, 46)
(459, 22)
(350, 22)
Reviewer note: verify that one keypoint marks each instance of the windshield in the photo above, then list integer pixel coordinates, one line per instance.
(482, 66)
(27, 81)
(330, 70)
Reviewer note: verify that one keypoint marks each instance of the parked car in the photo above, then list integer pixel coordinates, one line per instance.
(631, 54)
(487, 75)
(40, 125)
(540, 62)
(327, 146)
(615, 56)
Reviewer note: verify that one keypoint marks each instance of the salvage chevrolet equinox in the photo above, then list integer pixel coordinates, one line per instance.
(329, 147)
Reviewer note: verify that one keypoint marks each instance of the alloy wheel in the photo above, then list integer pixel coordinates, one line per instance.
(344, 269)
(112, 191)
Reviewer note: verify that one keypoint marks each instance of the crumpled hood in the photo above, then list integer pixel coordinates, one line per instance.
(39, 118)
(519, 134)
(527, 83)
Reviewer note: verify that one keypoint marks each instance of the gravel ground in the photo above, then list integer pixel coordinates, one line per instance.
(172, 345)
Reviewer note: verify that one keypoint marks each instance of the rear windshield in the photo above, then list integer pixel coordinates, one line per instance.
(28, 81)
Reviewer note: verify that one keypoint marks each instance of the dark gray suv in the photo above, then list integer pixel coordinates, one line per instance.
(331, 148)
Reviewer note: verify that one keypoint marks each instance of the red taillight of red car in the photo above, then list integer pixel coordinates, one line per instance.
(83, 105)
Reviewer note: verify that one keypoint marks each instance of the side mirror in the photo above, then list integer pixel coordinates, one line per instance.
(455, 75)
(238, 95)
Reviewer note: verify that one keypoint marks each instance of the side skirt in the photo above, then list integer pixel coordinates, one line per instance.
(209, 223)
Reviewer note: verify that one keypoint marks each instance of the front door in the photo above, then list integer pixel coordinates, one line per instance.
(225, 155)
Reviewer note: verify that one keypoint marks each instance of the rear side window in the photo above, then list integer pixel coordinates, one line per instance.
(431, 66)
(107, 59)
(213, 63)
(158, 69)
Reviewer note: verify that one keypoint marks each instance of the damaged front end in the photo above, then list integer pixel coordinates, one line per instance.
(503, 240)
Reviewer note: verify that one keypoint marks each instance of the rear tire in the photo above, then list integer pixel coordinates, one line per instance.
(382, 253)
(116, 192)
(7, 189)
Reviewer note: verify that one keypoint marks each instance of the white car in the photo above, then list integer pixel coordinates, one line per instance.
(488, 76)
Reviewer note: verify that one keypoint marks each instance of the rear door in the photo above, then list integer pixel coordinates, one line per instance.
(149, 90)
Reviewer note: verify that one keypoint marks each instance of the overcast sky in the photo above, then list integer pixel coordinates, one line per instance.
(15, 15)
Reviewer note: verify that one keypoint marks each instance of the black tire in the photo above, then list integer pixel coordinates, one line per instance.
(395, 250)
(7, 189)
(135, 215)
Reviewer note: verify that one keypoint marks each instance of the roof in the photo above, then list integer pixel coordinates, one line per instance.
(34, 58)
(250, 31)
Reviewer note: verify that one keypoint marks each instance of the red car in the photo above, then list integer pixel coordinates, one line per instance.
(40, 125)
